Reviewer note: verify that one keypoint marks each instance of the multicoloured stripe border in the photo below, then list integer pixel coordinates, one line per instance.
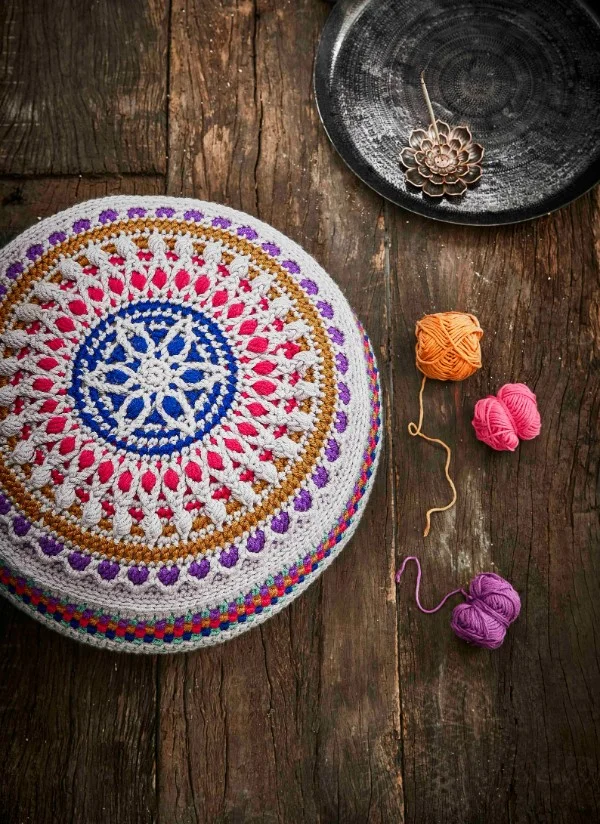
(107, 630)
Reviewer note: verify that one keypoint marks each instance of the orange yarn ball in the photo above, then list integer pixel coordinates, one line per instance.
(448, 345)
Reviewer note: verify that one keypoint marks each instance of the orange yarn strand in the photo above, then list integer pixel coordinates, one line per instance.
(447, 349)
(414, 430)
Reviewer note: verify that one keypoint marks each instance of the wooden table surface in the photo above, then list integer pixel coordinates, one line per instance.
(350, 705)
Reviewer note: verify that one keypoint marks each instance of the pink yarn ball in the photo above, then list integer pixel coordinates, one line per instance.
(501, 420)
(491, 606)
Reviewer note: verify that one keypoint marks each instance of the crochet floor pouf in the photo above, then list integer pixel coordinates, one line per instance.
(189, 422)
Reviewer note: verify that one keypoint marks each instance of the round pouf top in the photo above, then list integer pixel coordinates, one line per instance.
(189, 422)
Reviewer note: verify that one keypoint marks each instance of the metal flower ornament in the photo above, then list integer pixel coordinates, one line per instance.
(441, 160)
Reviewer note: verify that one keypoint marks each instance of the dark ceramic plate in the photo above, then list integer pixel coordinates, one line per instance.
(523, 74)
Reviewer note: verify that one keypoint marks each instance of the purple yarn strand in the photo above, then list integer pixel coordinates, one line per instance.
(418, 586)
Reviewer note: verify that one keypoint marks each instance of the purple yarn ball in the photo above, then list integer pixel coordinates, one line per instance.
(491, 606)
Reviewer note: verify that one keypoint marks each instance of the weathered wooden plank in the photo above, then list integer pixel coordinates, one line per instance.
(25, 201)
(510, 735)
(289, 722)
(77, 728)
(83, 87)
(77, 725)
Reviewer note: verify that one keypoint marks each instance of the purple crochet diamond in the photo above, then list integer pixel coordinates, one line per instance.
(199, 569)
(336, 335)
(341, 421)
(107, 216)
(136, 211)
(21, 526)
(271, 249)
(108, 570)
(303, 501)
(342, 362)
(81, 225)
(247, 232)
(168, 575)
(221, 222)
(326, 309)
(50, 547)
(165, 211)
(14, 270)
(344, 393)
(291, 266)
(4, 505)
(320, 477)
(57, 237)
(281, 523)
(309, 286)
(256, 542)
(79, 561)
(332, 450)
(138, 575)
(229, 557)
(35, 251)
(193, 214)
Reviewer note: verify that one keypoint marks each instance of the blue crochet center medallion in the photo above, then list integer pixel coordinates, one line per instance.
(153, 377)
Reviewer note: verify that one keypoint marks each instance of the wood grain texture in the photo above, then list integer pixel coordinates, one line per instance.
(83, 87)
(23, 201)
(349, 706)
(78, 728)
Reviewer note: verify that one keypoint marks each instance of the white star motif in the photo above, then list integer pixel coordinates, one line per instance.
(150, 374)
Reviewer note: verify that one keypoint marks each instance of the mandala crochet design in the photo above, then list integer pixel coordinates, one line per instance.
(189, 422)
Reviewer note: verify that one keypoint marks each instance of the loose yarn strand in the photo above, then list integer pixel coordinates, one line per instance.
(399, 574)
(415, 430)
(447, 350)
